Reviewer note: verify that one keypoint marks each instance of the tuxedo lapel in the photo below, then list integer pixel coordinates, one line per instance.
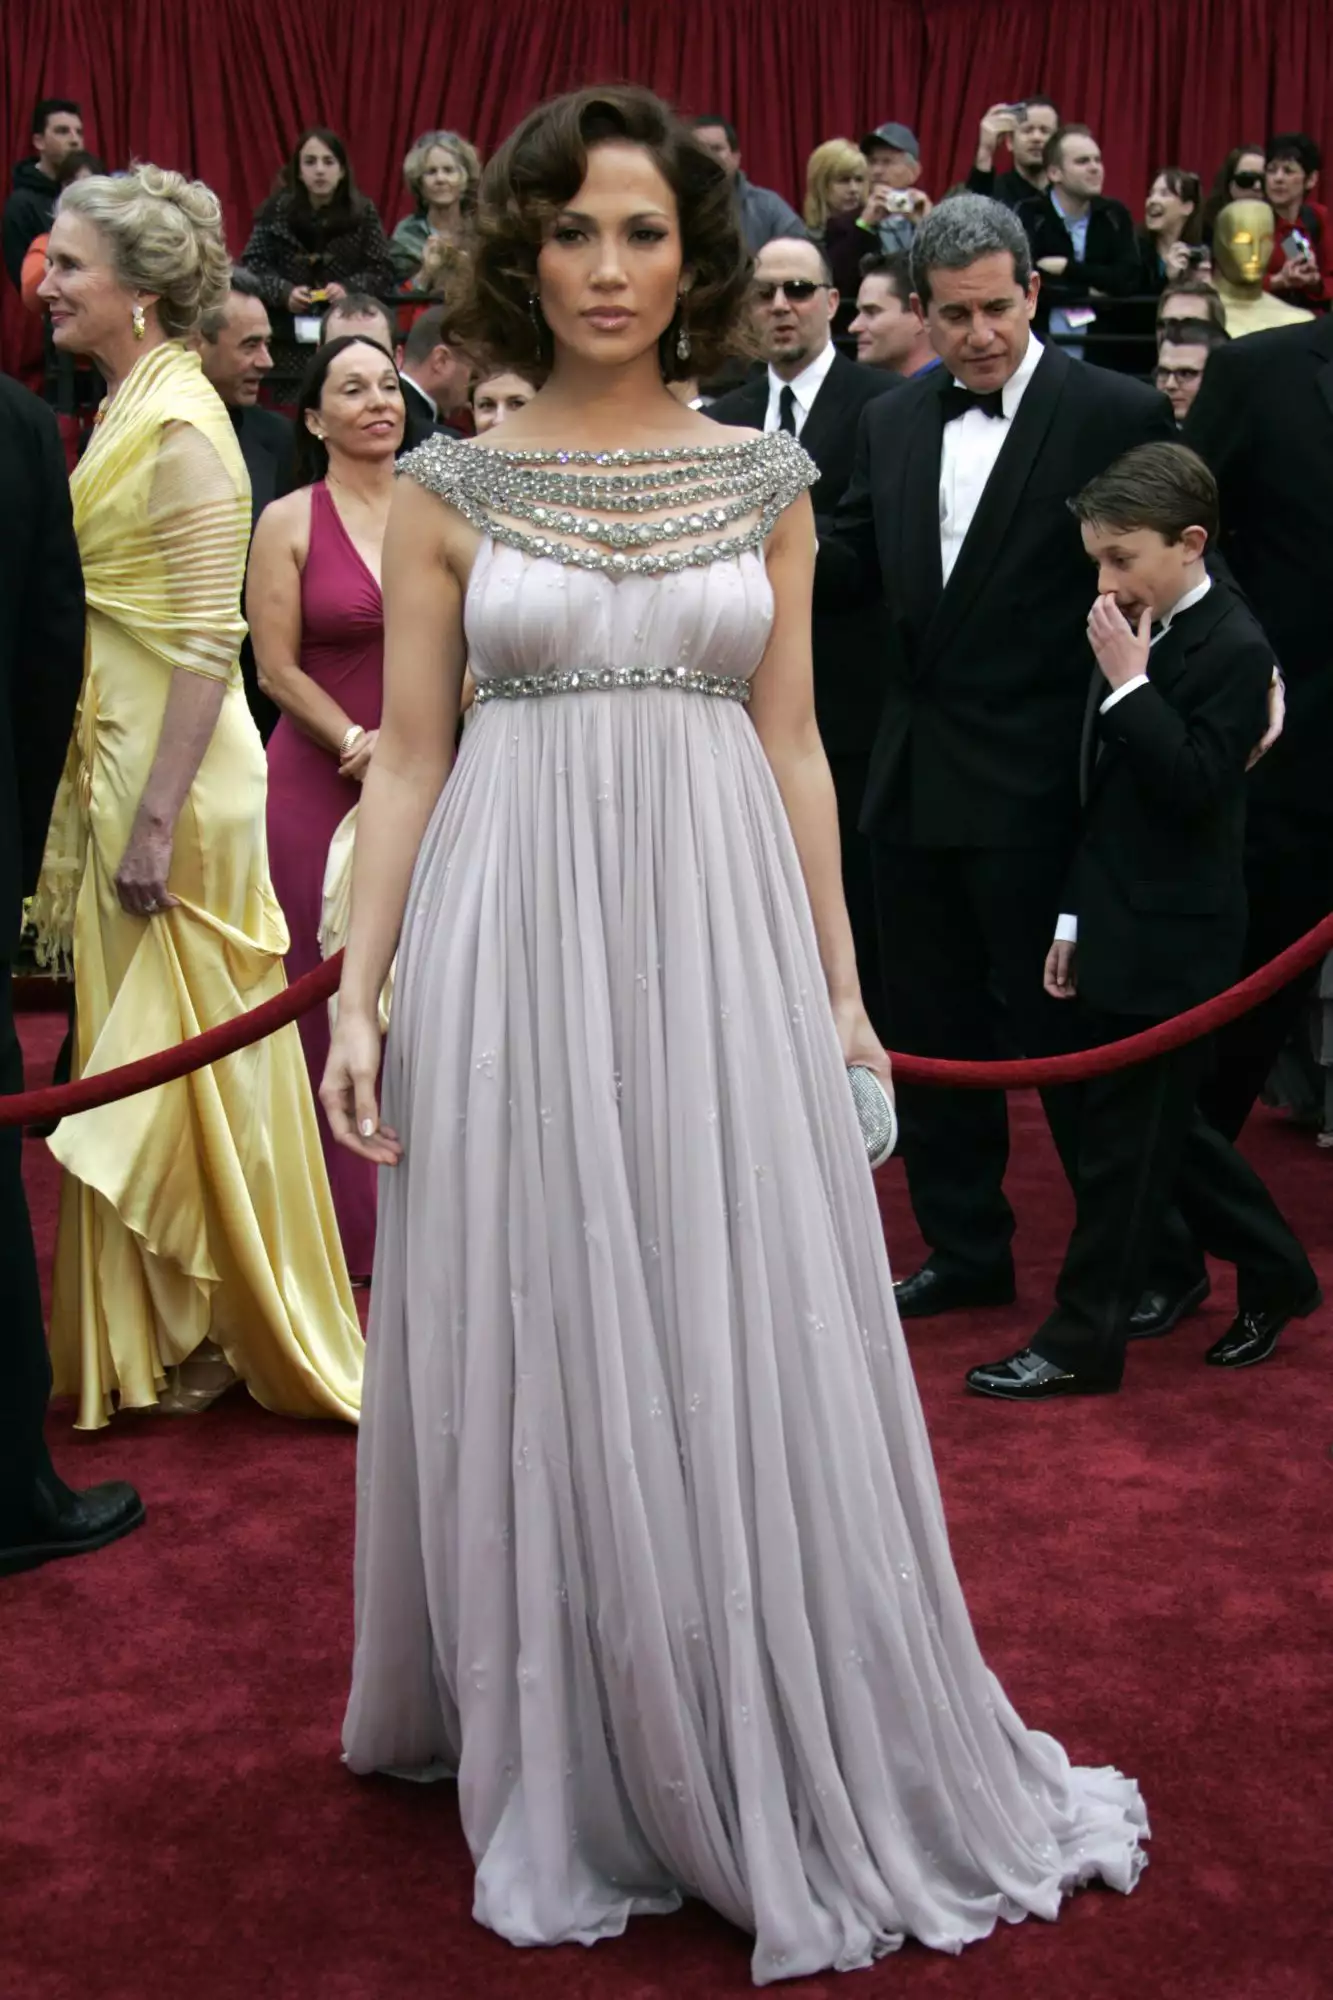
(1087, 750)
(820, 427)
(984, 541)
(920, 569)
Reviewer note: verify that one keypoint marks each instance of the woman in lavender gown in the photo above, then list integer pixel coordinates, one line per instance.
(650, 1550)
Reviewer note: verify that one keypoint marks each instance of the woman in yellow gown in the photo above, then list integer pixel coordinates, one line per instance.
(198, 1212)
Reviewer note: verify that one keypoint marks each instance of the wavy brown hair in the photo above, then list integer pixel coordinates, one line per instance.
(538, 171)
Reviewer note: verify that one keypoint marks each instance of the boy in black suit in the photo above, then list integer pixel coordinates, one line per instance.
(1156, 925)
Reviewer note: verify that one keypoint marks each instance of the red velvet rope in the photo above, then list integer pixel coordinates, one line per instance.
(40, 1106)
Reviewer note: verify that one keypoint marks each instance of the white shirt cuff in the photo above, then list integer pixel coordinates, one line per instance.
(1126, 687)
(1066, 929)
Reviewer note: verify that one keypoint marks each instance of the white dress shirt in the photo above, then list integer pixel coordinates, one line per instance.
(1066, 926)
(804, 388)
(970, 447)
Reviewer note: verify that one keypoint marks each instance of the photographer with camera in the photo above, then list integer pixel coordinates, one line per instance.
(1027, 127)
(1171, 239)
(1300, 266)
(896, 204)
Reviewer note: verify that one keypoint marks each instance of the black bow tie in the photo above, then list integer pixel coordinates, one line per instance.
(957, 401)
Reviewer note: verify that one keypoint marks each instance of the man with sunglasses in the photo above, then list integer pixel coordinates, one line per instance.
(813, 391)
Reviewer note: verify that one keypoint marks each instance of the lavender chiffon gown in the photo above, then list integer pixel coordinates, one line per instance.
(650, 1551)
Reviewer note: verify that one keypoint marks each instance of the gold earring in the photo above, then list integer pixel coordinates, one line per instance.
(138, 321)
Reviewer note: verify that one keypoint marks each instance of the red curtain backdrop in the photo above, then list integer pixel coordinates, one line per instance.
(220, 88)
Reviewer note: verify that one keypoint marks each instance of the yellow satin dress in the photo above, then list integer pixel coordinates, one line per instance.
(199, 1210)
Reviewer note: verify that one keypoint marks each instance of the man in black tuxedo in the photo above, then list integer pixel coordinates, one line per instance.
(234, 353)
(956, 515)
(1263, 420)
(813, 391)
(41, 669)
(1082, 243)
(1155, 924)
(435, 373)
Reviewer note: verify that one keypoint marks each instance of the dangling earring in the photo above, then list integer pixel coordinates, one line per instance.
(683, 337)
(137, 320)
(535, 314)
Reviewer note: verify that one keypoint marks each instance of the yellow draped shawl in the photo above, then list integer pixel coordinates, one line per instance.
(200, 1209)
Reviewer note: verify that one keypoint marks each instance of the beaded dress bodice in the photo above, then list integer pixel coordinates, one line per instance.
(617, 569)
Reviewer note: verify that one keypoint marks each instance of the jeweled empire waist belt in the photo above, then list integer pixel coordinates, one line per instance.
(594, 680)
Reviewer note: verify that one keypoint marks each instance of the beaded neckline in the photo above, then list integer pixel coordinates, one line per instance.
(682, 499)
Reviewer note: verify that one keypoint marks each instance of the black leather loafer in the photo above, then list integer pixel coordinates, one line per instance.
(1158, 1312)
(1027, 1377)
(74, 1524)
(929, 1291)
(1252, 1336)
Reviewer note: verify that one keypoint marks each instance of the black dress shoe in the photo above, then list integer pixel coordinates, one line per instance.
(930, 1291)
(74, 1524)
(1027, 1377)
(1158, 1312)
(1252, 1336)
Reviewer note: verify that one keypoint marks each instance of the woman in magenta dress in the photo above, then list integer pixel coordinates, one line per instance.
(314, 608)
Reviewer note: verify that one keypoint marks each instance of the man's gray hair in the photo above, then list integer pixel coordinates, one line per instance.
(962, 229)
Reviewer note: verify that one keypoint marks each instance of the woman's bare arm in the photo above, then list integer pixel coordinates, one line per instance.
(782, 708)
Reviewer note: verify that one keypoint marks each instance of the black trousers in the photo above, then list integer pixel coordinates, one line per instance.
(964, 934)
(1143, 1143)
(849, 771)
(25, 1371)
(1289, 883)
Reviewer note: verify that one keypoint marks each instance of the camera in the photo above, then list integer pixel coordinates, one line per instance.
(1196, 255)
(899, 202)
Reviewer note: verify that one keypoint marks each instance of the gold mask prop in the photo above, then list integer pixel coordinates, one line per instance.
(1243, 238)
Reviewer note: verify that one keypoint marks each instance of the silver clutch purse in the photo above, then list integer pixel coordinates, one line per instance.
(874, 1110)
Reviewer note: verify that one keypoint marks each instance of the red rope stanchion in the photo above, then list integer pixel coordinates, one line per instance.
(41, 1106)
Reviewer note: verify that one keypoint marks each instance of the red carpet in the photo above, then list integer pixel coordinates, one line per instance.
(1149, 1574)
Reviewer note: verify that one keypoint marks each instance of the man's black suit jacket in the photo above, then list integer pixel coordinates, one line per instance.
(41, 640)
(267, 444)
(985, 678)
(1263, 420)
(267, 441)
(420, 419)
(1158, 883)
(849, 641)
(1110, 263)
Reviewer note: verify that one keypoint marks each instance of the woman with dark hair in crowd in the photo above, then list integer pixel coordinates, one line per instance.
(650, 1545)
(499, 393)
(1171, 239)
(197, 1240)
(315, 239)
(1239, 178)
(317, 622)
(442, 170)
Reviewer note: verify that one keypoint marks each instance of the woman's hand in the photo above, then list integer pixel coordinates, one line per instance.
(348, 1092)
(1176, 260)
(355, 761)
(333, 291)
(859, 1042)
(141, 879)
(298, 299)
